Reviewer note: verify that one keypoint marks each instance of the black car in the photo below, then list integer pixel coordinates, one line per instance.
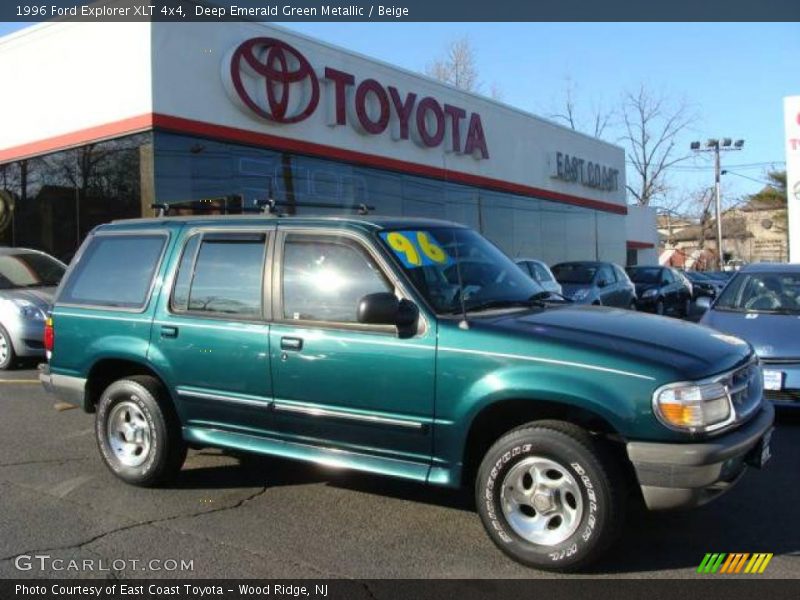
(661, 290)
(703, 285)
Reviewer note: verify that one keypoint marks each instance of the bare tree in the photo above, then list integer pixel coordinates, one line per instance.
(600, 118)
(651, 128)
(496, 92)
(457, 66)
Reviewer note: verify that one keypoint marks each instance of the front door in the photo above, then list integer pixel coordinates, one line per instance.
(210, 337)
(338, 383)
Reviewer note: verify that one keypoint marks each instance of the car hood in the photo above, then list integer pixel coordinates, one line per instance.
(693, 350)
(40, 297)
(772, 336)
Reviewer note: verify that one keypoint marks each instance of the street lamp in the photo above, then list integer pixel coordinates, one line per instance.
(716, 145)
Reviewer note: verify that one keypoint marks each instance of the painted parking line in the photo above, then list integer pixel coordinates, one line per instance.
(19, 381)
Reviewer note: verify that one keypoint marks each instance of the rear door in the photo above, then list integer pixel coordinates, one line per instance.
(210, 335)
(608, 293)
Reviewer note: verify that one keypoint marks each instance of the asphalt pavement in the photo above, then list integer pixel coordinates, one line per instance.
(269, 518)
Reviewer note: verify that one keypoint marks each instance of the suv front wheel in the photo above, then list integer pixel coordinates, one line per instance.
(547, 499)
(138, 432)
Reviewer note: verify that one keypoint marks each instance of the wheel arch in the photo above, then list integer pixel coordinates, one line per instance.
(107, 370)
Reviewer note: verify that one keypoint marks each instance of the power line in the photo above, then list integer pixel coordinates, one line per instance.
(729, 172)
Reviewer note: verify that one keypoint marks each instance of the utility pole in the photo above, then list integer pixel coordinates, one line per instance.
(715, 145)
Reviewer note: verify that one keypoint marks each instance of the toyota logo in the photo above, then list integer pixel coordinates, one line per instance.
(274, 80)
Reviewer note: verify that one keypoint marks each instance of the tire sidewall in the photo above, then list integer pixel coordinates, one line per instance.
(126, 390)
(582, 544)
(663, 308)
(8, 363)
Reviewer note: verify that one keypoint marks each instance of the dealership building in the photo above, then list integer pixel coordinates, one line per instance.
(100, 122)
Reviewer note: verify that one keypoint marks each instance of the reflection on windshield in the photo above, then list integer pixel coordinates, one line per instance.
(29, 269)
(644, 275)
(772, 292)
(449, 266)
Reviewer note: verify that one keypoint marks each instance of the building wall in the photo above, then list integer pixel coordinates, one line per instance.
(642, 234)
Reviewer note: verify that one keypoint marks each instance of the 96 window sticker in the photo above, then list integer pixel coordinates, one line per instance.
(416, 249)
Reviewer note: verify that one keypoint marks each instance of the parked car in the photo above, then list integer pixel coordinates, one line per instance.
(661, 290)
(761, 304)
(703, 285)
(591, 282)
(338, 341)
(27, 283)
(540, 273)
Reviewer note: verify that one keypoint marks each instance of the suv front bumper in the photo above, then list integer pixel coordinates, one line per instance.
(686, 475)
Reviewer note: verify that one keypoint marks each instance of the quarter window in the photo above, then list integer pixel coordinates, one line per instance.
(115, 271)
(539, 272)
(223, 276)
(325, 277)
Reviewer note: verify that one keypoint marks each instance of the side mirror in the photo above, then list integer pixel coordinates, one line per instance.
(384, 308)
(703, 303)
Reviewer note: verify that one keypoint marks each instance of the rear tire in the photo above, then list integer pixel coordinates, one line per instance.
(660, 308)
(138, 432)
(8, 358)
(549, 497)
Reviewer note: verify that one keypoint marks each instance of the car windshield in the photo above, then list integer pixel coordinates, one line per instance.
(574, 273)
(449, 266)
(770, 292)
(645, 275)
(29, 269)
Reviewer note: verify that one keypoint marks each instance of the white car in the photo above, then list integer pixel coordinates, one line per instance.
(540, 273)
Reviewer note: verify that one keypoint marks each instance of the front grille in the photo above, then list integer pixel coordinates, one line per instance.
(746, 388)
(782, 395)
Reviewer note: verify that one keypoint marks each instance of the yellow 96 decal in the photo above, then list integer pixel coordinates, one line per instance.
(416, 248)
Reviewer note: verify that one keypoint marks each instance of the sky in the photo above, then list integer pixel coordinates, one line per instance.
(732, 75)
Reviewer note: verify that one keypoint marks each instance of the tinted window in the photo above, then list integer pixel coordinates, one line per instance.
(115, 271)
(29, 269)
(645, 274)
(539, 272)
(574, 272)
(325, 277)
(180, 293)
(667, 276)
(226, 278)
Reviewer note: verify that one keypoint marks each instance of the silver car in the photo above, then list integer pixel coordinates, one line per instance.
(761, 304)
(540, 273)
(28, 280)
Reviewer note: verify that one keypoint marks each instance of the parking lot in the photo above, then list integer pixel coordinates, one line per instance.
(268, 518)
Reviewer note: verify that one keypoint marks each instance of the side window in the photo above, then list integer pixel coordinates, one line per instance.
(667, 277)
(621, 275)
(115, 271)
(526, 268)
(221, 273)
(539, 272)
(606, 274)
(324, 277)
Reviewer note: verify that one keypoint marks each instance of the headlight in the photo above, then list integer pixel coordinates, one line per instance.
(28, 310)
(693, 407)
(580, 294)
(650, 293)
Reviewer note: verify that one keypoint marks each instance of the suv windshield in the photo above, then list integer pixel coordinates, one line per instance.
(436, 259)
(574, 272)
(644, 274)
(29, 269)
(773, 292)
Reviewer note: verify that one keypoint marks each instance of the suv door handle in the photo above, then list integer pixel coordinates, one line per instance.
(291, 343)
(168, 331)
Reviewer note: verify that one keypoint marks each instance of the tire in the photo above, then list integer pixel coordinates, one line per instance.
(138, 432)
(8, 358)
(660, 308)
(579, 479)
(687, 308)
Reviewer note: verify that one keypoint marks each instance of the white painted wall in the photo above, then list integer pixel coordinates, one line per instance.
(60, 78)
(640, 226)
(189, 59)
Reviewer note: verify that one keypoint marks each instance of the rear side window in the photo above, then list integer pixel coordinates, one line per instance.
(539, 272)
(221, 274)
(115, 271)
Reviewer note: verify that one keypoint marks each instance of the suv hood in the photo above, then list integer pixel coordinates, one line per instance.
(772, 336)
(693, 350)
(41, 297)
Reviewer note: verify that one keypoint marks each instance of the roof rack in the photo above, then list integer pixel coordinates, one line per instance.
(268, 207)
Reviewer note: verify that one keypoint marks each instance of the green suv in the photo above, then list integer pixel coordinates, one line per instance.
(411, 348)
